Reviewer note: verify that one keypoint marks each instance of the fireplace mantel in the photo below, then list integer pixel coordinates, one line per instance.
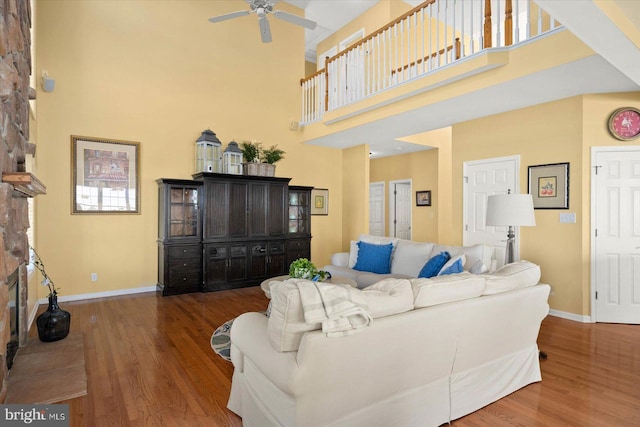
(24, 182)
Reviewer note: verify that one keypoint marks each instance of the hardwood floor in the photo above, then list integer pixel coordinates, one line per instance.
(149, 363)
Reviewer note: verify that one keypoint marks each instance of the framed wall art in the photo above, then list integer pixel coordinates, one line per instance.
(319, 201)
(549, 186)
(105, 176)
(423, 198)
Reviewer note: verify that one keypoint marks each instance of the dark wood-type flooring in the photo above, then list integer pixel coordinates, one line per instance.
(149, 363)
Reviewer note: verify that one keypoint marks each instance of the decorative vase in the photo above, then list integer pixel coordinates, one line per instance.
(53, 324)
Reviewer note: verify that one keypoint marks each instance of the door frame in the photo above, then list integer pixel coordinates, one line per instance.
(384, 204)
(392, 205)
(592, 261)
(516, 183)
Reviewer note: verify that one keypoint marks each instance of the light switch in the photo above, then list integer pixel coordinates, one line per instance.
(569, 218)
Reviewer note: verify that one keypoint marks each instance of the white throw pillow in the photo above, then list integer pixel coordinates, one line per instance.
(409, 257)
(353, 253)
(517, 275)
(447, 288)
(450, 264)
(472, 253)
(286, 325)
(388, 297)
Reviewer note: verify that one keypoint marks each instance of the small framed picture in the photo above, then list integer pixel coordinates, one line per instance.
(423, 198)
(549, 186)
(319, 201)
(104, 176)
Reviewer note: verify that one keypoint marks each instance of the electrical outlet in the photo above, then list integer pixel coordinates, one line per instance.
(94, 277)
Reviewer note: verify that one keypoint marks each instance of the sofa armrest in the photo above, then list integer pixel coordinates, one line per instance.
(249, 340)
(340, 259)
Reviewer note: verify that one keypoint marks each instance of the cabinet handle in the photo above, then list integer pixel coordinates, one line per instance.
(184, 265)
(184, 279)
(184, 251)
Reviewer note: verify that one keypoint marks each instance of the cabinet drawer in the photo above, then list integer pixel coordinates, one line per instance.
(186, 251)
(276, 248)
(258, 249)
(182, 277)
(238, 251)
(217, 252)
(185, 264)
(293, 245)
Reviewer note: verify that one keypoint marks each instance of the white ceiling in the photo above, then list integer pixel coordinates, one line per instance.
(614, 68)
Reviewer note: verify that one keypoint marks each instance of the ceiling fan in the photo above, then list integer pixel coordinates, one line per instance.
(262, 8)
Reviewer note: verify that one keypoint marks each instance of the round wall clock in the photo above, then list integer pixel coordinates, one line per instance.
(624, 123)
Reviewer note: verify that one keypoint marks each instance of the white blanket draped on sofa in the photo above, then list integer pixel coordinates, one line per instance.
(341, 310)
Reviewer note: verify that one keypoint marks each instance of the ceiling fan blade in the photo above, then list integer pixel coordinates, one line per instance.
(229, 16)
(294, 19)
(265, 29)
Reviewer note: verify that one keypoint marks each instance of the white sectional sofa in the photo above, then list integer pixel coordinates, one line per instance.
(436, 350)
(408, 258)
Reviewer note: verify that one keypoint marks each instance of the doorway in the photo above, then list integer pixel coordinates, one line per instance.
(400, 209)
(615, 227)
(376, 209)
(483, 178)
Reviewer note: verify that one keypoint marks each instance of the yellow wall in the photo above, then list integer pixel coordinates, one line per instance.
(374, 18)
(561, 131)
(159, 73)
(355, 198)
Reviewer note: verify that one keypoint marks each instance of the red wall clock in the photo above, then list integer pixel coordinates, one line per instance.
(624, 123)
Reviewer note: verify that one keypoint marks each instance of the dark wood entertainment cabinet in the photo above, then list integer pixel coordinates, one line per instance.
(221, 231)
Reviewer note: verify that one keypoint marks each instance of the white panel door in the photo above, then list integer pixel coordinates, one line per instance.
(400, 209)
(482, 179)
(376, 208)
(616, 209)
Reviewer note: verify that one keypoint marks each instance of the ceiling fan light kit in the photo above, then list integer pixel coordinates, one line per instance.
(262, 8)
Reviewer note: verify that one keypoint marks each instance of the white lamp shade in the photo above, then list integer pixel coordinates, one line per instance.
(510, 209)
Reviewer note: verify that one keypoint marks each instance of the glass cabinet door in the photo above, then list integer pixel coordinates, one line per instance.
(183, 212)
(298, 212)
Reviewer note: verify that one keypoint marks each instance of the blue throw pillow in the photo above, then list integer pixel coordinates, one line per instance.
(454, 268)
(374, 258)
(433, 266)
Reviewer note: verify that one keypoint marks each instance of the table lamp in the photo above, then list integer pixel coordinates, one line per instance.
(510, 210)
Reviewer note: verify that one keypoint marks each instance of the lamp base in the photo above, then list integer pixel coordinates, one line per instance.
(510, 249)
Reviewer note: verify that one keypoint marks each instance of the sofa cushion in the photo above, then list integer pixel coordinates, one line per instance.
(286, 324)
(448, 288)
(365, 279)
(409, 257)
(434, 265)
(376, 240)
(388, 297)
(453, 266)
(374, 258)
(471, 253)
(512, 276)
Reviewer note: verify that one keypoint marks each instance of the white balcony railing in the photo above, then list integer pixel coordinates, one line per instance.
(434, 34)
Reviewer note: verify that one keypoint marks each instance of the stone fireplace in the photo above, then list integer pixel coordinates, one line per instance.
(16, 185)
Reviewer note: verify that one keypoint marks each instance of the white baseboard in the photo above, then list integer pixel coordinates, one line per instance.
(34, 311)
(571, 316)
(105, 294)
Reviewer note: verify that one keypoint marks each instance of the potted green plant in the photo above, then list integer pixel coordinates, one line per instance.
(270, 156)
(250, 156)
(302, 268)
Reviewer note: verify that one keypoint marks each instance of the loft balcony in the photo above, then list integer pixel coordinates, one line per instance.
(434, 35)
